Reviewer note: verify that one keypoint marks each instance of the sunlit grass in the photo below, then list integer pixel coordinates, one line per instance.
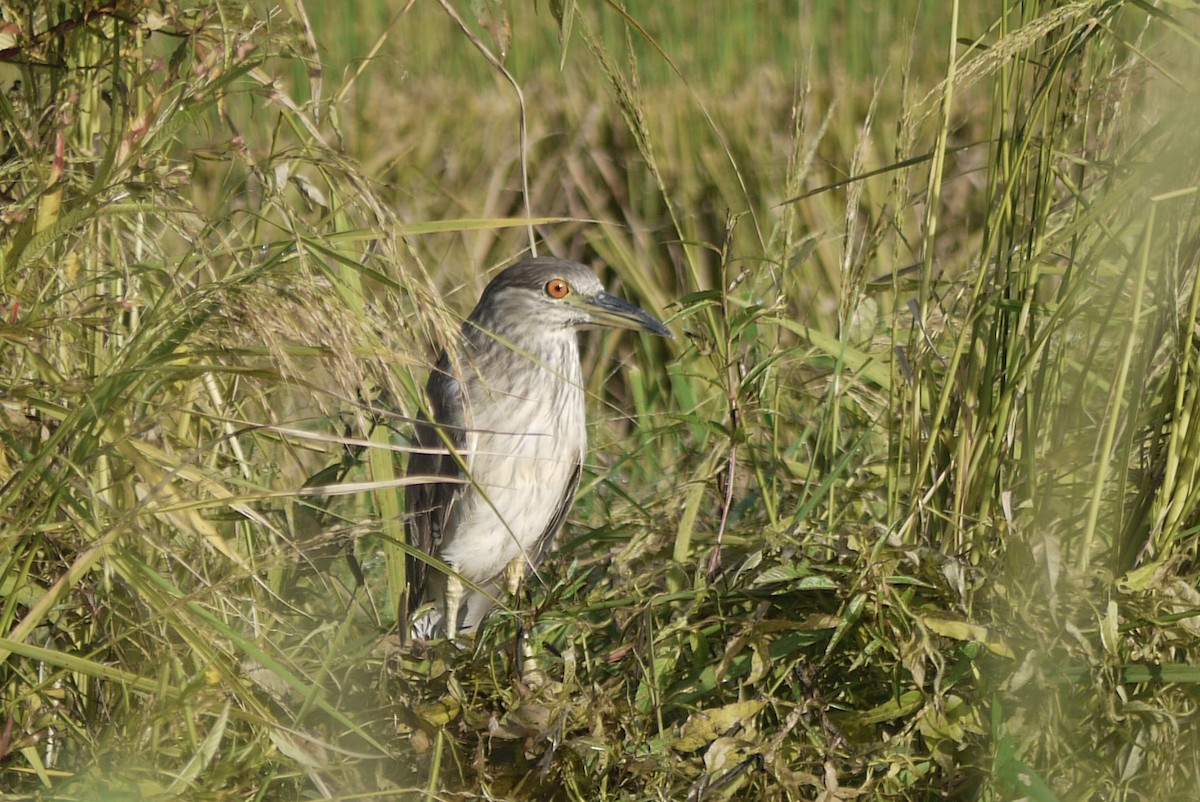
(907, 509)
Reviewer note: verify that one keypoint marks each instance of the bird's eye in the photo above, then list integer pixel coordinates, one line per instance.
(557, 288)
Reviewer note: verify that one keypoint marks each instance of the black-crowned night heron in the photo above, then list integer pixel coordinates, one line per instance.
(508, 419)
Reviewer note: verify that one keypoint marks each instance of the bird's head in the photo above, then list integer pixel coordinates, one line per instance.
(547, 296)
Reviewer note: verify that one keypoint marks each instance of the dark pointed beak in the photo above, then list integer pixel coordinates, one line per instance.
(606, 309)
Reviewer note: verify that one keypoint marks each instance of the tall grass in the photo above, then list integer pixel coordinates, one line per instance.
(908, 511)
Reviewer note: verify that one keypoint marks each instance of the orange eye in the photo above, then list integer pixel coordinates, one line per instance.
(557, 288)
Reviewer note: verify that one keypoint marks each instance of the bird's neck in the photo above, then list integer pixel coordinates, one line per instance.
(505, 359)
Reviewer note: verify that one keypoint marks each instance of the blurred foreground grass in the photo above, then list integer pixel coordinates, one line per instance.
(909, 511)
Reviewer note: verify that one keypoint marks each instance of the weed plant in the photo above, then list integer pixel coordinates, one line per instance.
(909, 508)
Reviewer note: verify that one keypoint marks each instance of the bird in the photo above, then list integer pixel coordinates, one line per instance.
(498, 458)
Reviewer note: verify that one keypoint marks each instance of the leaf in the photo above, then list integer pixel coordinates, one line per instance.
(849, 618)
(892, 709)
(1018, 775)
(477, 224)
(564, 13)
(866, 366)
(1109, 629)
(706, 726)
(203, 757)
(439, 713)
(807, 580)
(492, 15)
(311, 193)
(289, 744)
(964, 631)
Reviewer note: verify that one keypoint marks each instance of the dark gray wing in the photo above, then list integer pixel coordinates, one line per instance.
(427, 505)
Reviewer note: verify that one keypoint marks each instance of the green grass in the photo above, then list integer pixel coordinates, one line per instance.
(907, 510)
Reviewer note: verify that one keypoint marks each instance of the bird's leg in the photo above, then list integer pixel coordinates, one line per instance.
(452, 601)
(514, 572)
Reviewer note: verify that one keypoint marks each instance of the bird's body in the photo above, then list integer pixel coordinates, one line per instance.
(509, 432)
(519, 482)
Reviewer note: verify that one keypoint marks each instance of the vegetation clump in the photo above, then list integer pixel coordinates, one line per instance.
(907, 510)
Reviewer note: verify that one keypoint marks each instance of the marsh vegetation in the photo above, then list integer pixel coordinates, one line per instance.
(908, 508)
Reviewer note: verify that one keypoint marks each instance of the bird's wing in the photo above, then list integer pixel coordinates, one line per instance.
(546, 540)
(427, 505)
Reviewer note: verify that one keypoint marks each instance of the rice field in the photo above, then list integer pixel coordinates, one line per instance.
(908, 509)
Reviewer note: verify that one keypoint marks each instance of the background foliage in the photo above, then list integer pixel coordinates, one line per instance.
(907, 510)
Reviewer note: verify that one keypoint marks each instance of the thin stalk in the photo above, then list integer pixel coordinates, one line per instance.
(522, 145)
(1118, 394)
(931, 220)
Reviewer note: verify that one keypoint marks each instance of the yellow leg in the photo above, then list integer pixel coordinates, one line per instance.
(452, 601)
(514, 572)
